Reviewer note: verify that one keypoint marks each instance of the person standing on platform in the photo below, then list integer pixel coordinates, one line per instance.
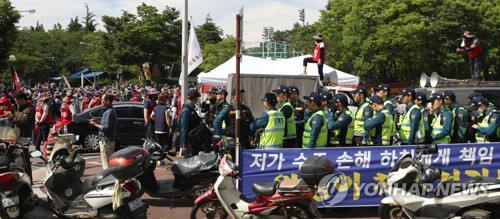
(285, 107)
(319, 56)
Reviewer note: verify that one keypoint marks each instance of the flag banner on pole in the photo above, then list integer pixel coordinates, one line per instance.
(81, 80)
(66, 81)
(16, 82)
(194, 51)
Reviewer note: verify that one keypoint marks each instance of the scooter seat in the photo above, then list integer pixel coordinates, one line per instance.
(103, 177)
(266, 189)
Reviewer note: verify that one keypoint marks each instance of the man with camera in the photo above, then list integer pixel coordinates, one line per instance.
(472, 46)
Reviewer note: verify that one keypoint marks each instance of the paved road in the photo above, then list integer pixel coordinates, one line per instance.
(161, 208)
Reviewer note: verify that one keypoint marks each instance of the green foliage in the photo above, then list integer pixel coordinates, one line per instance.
(208, 33)
(384, 40)
(217, 53)
(148, 36)
(8, 33)
(89, 21)
(74, 25)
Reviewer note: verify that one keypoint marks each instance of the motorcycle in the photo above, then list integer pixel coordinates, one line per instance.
(15, 182)
(193, 176)
(409, 196)
(69, 197)
(291, 198)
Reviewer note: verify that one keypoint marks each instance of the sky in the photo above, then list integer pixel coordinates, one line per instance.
(280, 14)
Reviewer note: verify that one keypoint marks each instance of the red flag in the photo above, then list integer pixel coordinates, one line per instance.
(16, 82)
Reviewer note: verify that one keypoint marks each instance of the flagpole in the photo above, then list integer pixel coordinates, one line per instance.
(184, 74)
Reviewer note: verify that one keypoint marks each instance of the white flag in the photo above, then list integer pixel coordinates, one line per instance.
(66, 82)
(194, 51)
(81, 79)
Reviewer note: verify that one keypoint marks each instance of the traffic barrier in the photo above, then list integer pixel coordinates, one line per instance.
(366, 168)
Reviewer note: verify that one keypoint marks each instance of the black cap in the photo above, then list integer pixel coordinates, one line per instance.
(315, 97)
(271, 98)
(193, 93)
(408, 91)
(376, 99)
(421, 96)
(435, 96)
(382, 87)
(473, 95)
(223, 91)
(281, 89)
(450, 95)
(480, 100)
(233, 92)
(342, 98)
(213, 90)
(293, 89)
(360, 89)
(326, 95)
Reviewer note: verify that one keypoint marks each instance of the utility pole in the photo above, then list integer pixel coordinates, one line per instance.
(184, 74)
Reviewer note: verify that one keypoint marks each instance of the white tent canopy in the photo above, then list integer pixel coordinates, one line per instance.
(254, 65)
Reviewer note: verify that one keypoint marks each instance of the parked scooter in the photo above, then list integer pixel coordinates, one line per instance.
(15, 182)
(286, 199)
(193, 176)
(69, 197)
(477, 198)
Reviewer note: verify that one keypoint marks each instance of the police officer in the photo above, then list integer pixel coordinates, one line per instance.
(340, 123)
(421, 101)
(272, 122)
(299, 109)
(208, 106)
(488, 130)
(220, 103)
(326, 99)
(381, 123)
(384, 91)
(363, 114)
(442, 125)
(228, 116)
(189, 120)
(459, 118)
(286, 108)
(411, 121)
(315, 129)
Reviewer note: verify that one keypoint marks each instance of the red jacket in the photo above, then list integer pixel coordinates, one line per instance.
(5, 106)
(476, 51)
(66, 115)
(317, 52)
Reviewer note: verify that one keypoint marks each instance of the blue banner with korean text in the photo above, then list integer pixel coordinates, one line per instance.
(366, 168)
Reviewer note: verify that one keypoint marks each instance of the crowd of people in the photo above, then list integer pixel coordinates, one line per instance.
(321, 120)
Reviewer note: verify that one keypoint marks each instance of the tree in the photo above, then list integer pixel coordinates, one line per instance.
(302, 16)
(8, 31)
(39, 27)
(74, 25)
(209, 33)
(89, 23)
(217, 53)
(268, 33)
(57, 27)
(148, 36)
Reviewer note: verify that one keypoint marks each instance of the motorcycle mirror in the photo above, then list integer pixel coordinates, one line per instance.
(75, 139)
(430, 149)
(35, 154)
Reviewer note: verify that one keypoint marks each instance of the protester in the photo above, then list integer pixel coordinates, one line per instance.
(43, 119)
(161, 120)
(107, 129)
(473, 47)
(319, 56)
(149, 105)
(67, 112)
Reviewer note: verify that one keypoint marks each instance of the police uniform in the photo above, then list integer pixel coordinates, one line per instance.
(228, 116)
(315, 130)
(459, 119)
(299, 109)
(272, 122)
(442, 124)
(426, 117)
(387, 102)
(363, 114)
(488, 129)
(189, 120)
(411, 121)
(381, 123)
(341, 124)
(209, 108)
(286, 108)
